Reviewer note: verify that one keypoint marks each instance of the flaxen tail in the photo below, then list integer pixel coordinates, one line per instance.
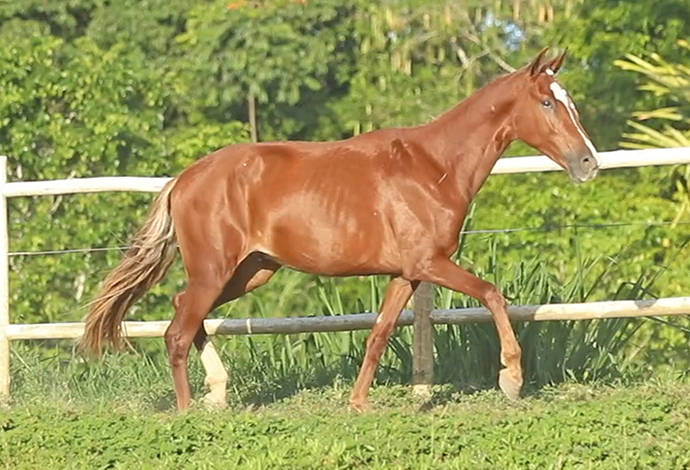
(143, 265)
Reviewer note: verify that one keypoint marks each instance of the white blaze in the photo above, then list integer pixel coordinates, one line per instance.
(561, 95)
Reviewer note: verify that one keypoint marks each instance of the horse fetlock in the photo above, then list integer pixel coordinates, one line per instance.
(216, 395)
(359, 398)
(214, 382)
(511, 357)
(493, 299)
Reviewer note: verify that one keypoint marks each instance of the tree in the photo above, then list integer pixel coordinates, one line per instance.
(284, 58)
(664, 80)
(599, 33)
(73, 109)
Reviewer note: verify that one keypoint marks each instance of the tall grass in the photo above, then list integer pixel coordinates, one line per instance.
(553, 351)
(268, 367)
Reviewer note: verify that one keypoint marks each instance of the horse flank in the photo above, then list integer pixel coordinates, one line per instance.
(142, 266)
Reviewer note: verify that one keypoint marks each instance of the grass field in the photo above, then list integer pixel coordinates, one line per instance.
(639, 426)
(613, 405)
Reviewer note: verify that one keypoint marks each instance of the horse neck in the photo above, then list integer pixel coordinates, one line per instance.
(467, 140)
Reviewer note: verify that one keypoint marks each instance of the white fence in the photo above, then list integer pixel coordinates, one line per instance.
(594, 310)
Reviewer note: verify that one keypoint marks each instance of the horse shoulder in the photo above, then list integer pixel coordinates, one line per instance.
(427, 215)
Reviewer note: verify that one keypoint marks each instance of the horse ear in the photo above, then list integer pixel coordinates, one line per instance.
(535, 67)
(555, 64)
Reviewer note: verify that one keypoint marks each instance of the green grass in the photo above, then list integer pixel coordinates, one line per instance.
(564, 427)
(288, 397)
(266, 367)
(288, 393)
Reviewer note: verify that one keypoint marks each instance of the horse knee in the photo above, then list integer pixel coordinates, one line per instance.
(493, 299)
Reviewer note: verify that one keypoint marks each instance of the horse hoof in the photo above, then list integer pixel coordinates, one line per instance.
(213, 402)
(510, 383)
(360, 406)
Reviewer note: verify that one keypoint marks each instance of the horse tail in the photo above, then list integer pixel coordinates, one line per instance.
(142, 266)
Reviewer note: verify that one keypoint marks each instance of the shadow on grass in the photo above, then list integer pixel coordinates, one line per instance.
(143, 381)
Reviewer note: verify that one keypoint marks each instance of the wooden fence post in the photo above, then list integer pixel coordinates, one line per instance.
(4, 289)
(423, 342)
(251, 111)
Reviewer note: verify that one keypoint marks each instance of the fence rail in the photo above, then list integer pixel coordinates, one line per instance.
(607, 160)
(363, 321)
(594, 310)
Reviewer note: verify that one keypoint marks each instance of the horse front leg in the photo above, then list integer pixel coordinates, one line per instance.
(443, 272)
(398, 293)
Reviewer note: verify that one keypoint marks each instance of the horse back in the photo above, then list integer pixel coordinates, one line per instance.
(336, 208)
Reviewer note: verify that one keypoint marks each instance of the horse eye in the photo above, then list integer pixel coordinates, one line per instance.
(547, 103)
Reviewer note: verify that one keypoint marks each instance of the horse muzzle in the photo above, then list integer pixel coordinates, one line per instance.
(583, 168)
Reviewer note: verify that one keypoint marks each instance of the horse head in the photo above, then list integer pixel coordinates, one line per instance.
(546, 118)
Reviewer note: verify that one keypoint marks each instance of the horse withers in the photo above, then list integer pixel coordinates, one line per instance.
(391, 202)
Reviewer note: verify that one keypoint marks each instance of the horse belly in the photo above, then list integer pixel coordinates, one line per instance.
(342, 245)
(321, 213)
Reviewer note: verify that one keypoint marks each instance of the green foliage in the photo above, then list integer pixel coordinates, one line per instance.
(599, 33)
(643, 426)
(73, 109)
(407, 64)
(289, 56)
(151, 26)
(95, 88)
(665, 80)
(667, 126)
(416, 59)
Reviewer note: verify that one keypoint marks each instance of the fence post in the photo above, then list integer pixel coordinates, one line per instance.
(4, 289)
(423, 342)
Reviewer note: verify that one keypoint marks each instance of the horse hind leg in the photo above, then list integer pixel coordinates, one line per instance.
(253, 272)
(192, 305)
(216, 375)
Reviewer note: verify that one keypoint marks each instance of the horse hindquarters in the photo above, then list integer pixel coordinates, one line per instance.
(218, 270)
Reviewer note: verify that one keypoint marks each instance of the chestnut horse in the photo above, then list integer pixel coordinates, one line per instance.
(390, 202)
